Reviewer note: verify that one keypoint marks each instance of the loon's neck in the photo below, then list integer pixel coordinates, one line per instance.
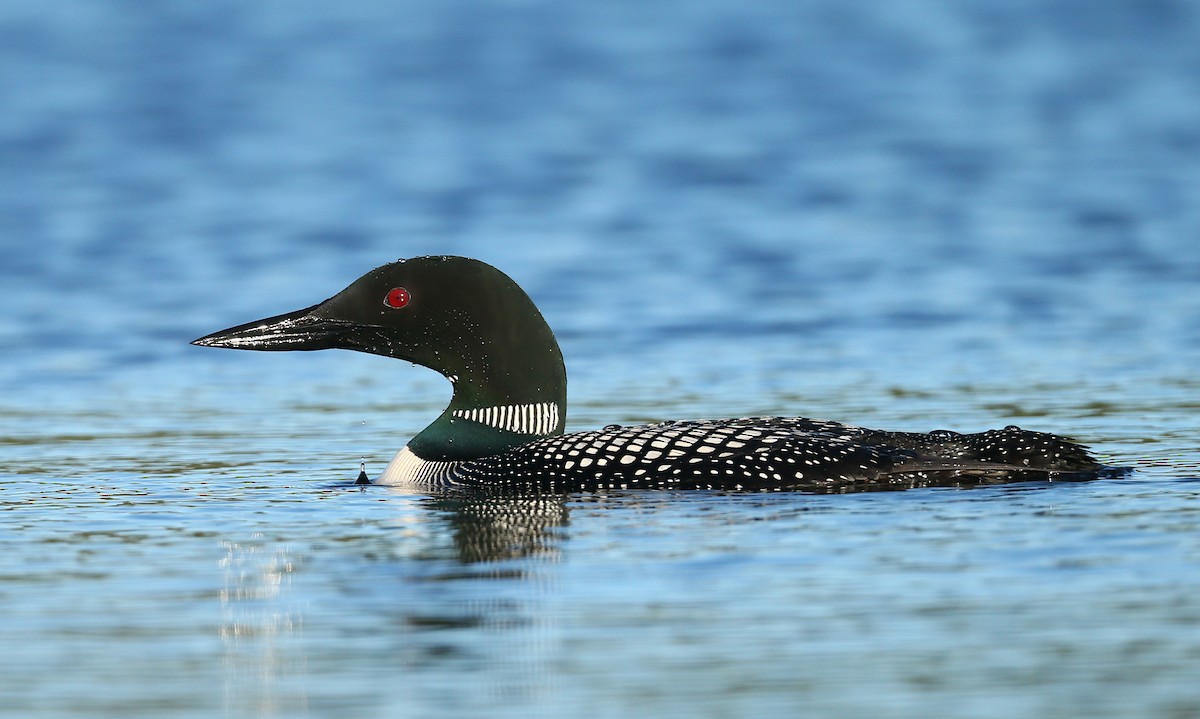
(496, 406)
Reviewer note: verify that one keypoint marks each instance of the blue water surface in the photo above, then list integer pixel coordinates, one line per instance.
(909, 215)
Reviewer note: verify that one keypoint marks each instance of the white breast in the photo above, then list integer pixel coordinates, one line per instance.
(408, 470)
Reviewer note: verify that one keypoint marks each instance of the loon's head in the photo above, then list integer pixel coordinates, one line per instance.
(458, 316)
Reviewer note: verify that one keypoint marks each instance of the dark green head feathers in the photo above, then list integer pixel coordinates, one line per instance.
(458, 316)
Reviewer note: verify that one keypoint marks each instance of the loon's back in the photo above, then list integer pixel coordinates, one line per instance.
(754, 453)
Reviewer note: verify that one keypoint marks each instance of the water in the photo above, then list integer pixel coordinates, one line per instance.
(910, 218)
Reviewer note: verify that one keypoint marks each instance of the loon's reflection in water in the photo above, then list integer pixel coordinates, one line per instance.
(479, 597)
(489, 529)
(461, 603)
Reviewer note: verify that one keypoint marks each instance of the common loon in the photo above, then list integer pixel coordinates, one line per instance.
(503, 429)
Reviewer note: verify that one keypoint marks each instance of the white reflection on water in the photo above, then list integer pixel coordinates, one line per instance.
(261, 630)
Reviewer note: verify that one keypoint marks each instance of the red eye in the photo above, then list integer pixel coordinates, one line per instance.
(397, 297)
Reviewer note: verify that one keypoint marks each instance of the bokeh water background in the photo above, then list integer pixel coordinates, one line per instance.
(909, 215)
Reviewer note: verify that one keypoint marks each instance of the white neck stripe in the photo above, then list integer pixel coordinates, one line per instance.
(538, 418)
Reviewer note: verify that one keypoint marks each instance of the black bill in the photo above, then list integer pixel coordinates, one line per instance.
(298, 330)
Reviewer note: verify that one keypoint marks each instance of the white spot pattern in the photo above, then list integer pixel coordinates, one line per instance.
(752, 454)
